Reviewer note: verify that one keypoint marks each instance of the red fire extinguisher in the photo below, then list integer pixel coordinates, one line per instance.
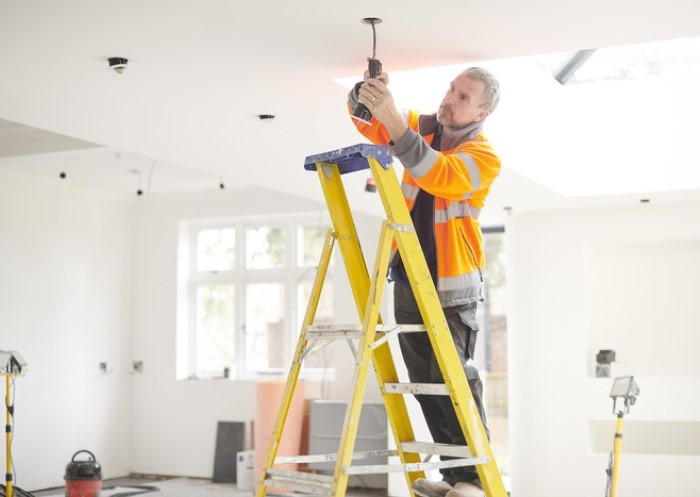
(83, 478)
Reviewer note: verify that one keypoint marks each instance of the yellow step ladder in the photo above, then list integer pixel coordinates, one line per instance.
(373, 347)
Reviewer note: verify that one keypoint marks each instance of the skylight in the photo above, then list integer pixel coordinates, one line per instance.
(624, 122)
(665, 58)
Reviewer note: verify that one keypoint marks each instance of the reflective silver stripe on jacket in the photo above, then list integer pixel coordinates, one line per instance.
(454, 210)
(457, 290)
(474, 173)
(448, 283)
(476, 212)
(410, 192)
(425, 164)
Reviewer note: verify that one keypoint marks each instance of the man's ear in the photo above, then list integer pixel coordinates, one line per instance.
(482, 115)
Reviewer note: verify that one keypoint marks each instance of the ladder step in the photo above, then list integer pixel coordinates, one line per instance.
(344, 331)
(417, 388)
(314, 458)
(413, 467)
(436, 449)
(408, 447)
(300, 481)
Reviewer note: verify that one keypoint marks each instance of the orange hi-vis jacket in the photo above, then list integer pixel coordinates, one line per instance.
(459, 177)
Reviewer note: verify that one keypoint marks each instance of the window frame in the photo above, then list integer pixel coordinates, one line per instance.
(290, 276)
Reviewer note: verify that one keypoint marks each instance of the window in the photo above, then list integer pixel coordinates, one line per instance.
(246, 284)
(491, 354)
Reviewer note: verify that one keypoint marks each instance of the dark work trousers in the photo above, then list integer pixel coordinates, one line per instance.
(423, 368)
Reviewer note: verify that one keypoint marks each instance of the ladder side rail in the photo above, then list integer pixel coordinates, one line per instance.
(453, 373)
(365, 349)
(295, 367)
(385, 369)
(437, 329)
(346, 233)
(358, 275)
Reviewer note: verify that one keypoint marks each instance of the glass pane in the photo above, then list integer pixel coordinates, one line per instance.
(494, 336)
(310, 240)
(216, 249)
(322, 358)
(265, 330)
(264, 247)
(215, 334)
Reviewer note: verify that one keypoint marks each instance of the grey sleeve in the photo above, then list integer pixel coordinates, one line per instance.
(412, 149)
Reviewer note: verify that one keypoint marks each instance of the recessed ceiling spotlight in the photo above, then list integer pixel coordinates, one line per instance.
(117, 64)
(266, 117)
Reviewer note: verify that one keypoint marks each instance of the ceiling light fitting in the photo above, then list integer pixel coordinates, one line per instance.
(118, 64)
(266, 117)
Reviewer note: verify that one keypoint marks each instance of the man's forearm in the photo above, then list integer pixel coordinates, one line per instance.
(396, 127)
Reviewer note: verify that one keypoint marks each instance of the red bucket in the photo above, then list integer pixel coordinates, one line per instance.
(83, 478)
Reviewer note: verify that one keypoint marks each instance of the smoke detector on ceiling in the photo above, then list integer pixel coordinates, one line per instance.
(118, 64)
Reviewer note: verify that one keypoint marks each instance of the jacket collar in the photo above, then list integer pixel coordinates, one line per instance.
(427, 123)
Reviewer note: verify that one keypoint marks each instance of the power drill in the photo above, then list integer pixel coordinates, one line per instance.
(361, 112)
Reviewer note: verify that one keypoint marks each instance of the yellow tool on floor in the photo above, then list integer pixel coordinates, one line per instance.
(11, 365)
(373, 347)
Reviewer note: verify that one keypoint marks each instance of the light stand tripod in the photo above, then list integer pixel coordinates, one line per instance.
(624, 387)
(11, 365)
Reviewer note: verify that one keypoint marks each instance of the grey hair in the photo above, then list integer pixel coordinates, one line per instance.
(492, 88)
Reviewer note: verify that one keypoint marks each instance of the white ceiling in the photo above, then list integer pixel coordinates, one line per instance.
(183, 116)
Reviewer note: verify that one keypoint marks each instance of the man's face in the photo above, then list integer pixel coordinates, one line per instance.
(461, 105)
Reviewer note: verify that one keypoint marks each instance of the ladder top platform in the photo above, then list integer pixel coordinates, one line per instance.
(352, 158)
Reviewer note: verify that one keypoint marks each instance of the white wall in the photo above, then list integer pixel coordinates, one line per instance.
(86, 279)
(65, 306)
(78, 287)
(625, 278)
(174, 422)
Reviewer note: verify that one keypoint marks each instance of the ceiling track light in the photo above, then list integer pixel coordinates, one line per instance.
(118, 64)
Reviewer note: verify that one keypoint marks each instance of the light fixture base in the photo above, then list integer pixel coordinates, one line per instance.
(117, 64)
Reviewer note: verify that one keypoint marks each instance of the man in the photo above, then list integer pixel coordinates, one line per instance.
(448, 170)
